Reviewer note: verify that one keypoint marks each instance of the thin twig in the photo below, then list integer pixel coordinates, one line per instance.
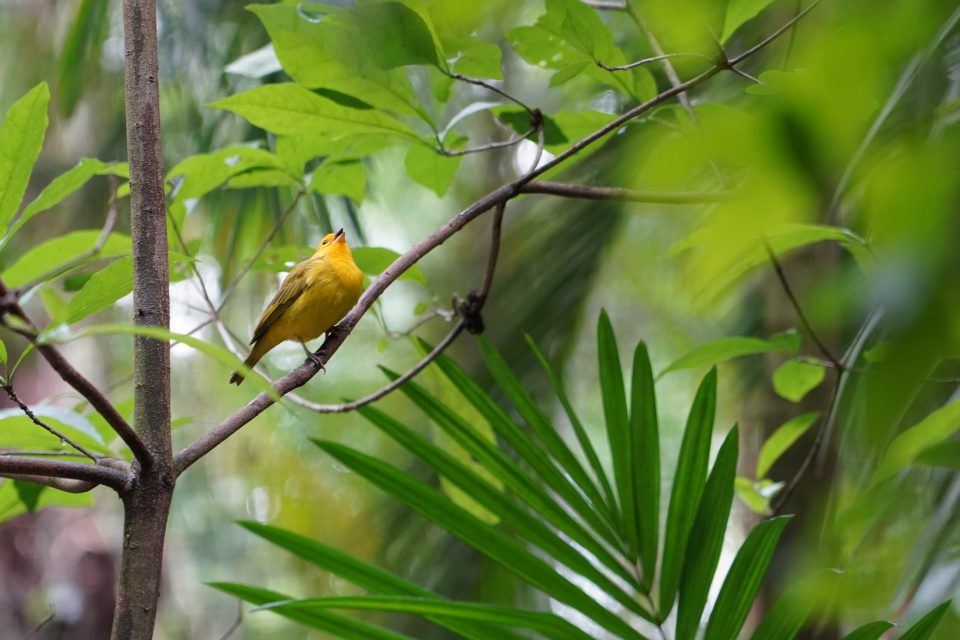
(41, 454)
(40, 625)
(585, 192)
(236, 622)
(773, 36)
(299, 376)
(74, 378)
(92, 252)
(656, 58)
(40, 423)
(492, 87)
(787, 289)
(452, 153)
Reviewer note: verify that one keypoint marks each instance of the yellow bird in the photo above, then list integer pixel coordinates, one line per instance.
(313, 297)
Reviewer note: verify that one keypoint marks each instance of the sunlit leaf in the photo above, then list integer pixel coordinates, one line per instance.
(343, 177)
(739, 12)
(75, 248)
(935, 428)
(723, 349)
(687, 488)
(397, 36)
(21, 136)
(743, 580)
(782, 439)
(476, 59)
(794, 379)
(430, 168)
(201, 173)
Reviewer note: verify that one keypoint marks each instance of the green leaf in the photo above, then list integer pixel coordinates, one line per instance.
(11, 505)
(433, 170)
(64, 185)
(617, 419)
(788, 614)
(568, 73)
(703, 551)
(870, 631)
(364, 575)
(398, 36)
(204, 172)
(340, 626)
(215, 352)
(28, 493)
(102, 289)
(925, 626)
(739, 12)
(722, 349)
(548, 624)
(3, 353)
(945, 454)
(373, 261)
(645, 460)
(756, 494)
(782, 439)
(21, 136)
(343, 177)
(581, 433)
(48, 259)
(687, 488)
(932, 430)
(290, 109)
(17, 431)
(794, 379)
(488, 540)
(475, 58)
(332, 54)
(743, 580)
(262, 178)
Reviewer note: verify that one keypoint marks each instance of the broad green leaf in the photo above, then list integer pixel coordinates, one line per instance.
(11, 505)
(488, 540)
(103, 289)
(582, 438)
(870, 631)
(341, 177)
(720, 350)
(794, 379)
(791, 610)
(743, 580)
(373, 261)
(332, 623)
(645, 460)
(215, 352)
(567, 74)
(398, 36)
(619, 433)
(331, 53)
(295, 151)
(204, 172)
(50, 258)
(925, 626)
(932, 430)
(687, 487)
(17, 431)
(360, 573)
(548, 624)
(66, 184)
(290, 109)
(21, 136)
(739, 12)
(433, 170)
(945, 454)
(28, 493)
(703, 550)
(475, 58)
(782, 439)
(262, 178)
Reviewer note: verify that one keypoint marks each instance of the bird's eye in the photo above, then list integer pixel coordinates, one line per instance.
(324, 242)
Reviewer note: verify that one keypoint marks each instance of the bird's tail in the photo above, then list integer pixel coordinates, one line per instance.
(251, 361)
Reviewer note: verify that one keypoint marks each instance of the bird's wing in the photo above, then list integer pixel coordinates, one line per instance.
(291, 288)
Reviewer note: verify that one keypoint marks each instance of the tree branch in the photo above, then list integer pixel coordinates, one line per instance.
(494, 88)
(585, 192)
(299, 376)
(48, 472)
(73, 377)
(8, 387)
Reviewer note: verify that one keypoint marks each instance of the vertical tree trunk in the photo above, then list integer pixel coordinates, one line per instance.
(147, 503)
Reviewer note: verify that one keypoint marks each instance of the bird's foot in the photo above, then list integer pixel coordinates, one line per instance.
(312, 357)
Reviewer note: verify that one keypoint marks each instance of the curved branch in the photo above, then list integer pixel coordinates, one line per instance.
(334, 339)
(49, 471)
(74, 378)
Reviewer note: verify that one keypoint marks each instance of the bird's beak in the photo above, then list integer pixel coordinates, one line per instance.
(339, 236)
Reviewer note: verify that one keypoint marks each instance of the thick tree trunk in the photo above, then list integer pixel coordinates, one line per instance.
(147, 504)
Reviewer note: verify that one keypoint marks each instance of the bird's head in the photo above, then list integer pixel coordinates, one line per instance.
(333, 244)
